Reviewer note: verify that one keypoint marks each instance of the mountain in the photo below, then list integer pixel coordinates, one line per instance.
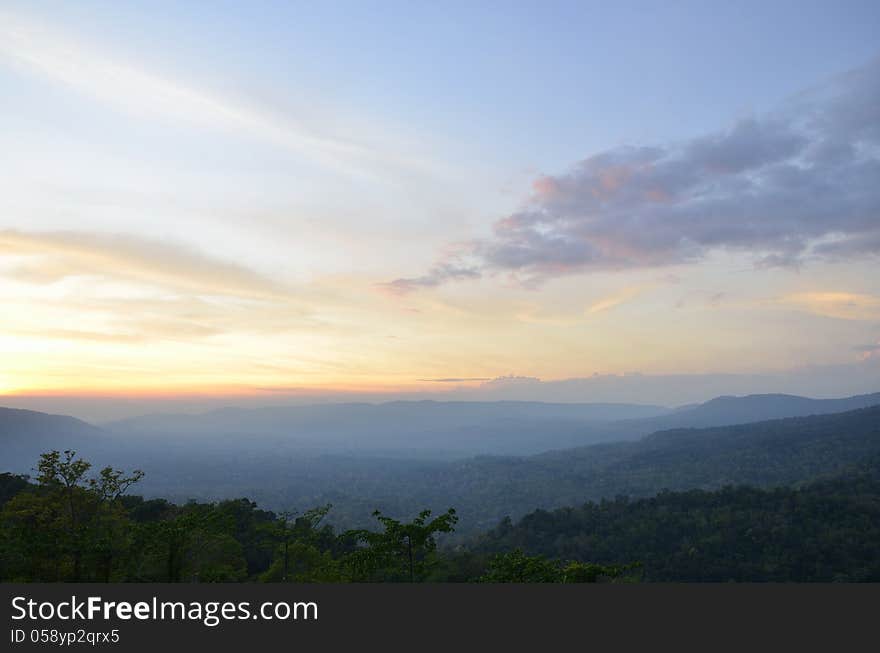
(725, 410)
(729, 410)
(432, 429)
(399, 428)
(781, 451)
(24, 434)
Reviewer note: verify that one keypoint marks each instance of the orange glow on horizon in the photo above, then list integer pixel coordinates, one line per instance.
(232, 391)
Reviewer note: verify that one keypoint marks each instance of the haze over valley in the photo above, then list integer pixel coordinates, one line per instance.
(491, 460)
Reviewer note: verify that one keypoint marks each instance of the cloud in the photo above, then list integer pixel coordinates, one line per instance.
(438, 274)
(511, 380)
(617, 299)
(129, 290)
(461, 380)
(131, 333)
(716, 299)
(838, 380)
(797, 185)
(840, 305)
(52, 256)
(146, 94)
(867, 352)
(285, 389)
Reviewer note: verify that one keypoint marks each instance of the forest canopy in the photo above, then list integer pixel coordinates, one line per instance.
(69, 524)
(73, 526)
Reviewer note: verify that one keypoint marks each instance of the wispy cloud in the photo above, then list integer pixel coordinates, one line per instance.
(867, 352)
(51, 256)
(440, 273)
(458, 380)
(142, 93)
(840, 305)
(133, 332)
(115, 289)
(618, 298)
(796, 185)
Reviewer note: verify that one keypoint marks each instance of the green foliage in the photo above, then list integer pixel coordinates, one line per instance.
(399, 552)
(517, 567)
(827, 531)
(193, 544)
(70, 526)
(67, 527)
(249, 525)
(10, 485)
(304, 550)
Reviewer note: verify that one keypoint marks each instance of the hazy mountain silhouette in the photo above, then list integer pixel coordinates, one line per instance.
(24, 434)
(504, 427)
(754, 408)
(729, 410)
(274, 418)
(400, 429)
(417, 428)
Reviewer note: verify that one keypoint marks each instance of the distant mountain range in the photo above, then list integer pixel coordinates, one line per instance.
(503, 427)
(400, 429)
(385, 456)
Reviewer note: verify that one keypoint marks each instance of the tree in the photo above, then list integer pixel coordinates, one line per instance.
(517, 567)
(281, 533)
(65, 477)
(68, 527)
(304, 549)
(252, 528)
(195, 544)
(400, 551)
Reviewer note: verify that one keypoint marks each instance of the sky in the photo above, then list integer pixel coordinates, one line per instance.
(277, 200)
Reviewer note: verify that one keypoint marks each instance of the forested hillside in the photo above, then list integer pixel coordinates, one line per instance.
(827, 531)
